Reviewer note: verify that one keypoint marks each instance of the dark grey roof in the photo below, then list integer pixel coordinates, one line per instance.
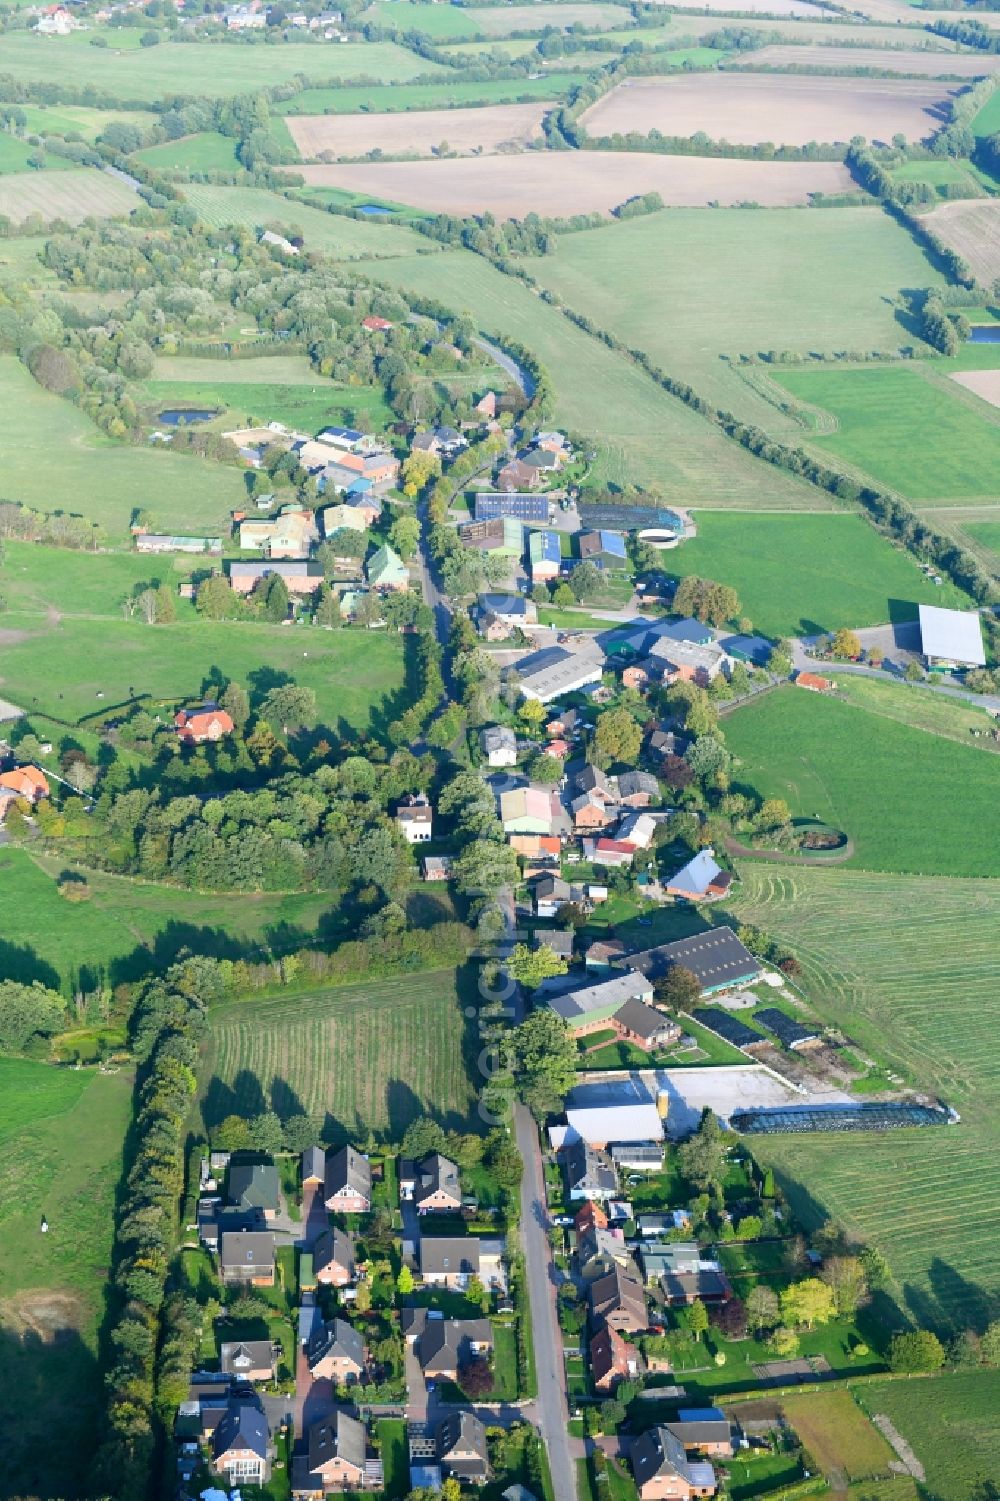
(333, 1248)
(247, 1248)
(461, 1430)
(589, 1170)
(619, 1289)
(337, 1339)
(243, 1426)
(658, 1453)
(336, 1435)
(592, 778)
(348, 1169)
(240, 1356)
(449, 1254)
(559, 940)
(727, 1026)
(716, 958)
(437, 1174)
(788, 1032)
(254, 1185)
(631, 782)
(313, 1164)
(444, 1344)
(645, 1021)
(694, 1432)
(504, 604)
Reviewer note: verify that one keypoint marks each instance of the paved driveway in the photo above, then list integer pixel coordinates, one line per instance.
(314, 1216)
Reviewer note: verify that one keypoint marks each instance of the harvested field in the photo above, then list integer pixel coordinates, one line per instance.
(581, 181)
(764, 7)
(783, 108)
(984, 383)
(888, 59)
(972, 228)
(73, 196)
(417, 132)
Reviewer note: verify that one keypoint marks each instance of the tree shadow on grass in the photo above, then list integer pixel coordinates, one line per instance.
(50, 1410)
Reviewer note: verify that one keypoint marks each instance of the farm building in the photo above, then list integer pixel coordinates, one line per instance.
(701, 878)
(500, 536)
(729, 1027)
(951, 638)
(300, 578)
(718, 959)
(592, 1007)
(528, 810)
(24, 781)
(606, 550)
(159, 542)
(685, 662)
(790, 1033)
(613, 1113)
(813, 682)
(544, 556)
(554, 672)
(492, 503)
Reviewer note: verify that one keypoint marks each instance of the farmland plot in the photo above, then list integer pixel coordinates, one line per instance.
(972, 229)
(578, 182)
(371, 1056)
(788, 110)
(922, 60)
(417, 132)
(73, 196)
(983, 383)
(348, 239)
(908, 967)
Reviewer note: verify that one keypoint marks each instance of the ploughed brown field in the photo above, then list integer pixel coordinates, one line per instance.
(416, 132)
(984, 383)
(972, 228)
(766, 7)
(922, 60)
(560, 183)
(745, 108)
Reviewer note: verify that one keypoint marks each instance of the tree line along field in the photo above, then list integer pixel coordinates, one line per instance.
(795, 279)
(128, 929)
(906, 429)
(369, 1057)
(643, 435)
(806, 575)
(908, 968)
(911, 801)
(61, 1135)
(212, 69)
(56, 459)
(342, 238)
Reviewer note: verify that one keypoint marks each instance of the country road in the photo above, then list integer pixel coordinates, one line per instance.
(552, 1406)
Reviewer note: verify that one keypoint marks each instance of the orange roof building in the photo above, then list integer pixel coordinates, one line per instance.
(198, 726)
(813, 682)
(25, 781)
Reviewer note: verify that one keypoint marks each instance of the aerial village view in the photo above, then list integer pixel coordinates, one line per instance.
(500, 750)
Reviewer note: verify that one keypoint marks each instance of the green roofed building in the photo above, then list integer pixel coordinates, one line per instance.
(386, 569)
(255, 1185)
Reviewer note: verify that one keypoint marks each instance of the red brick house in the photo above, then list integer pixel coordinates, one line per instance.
(612, 1359)
(348, 1185)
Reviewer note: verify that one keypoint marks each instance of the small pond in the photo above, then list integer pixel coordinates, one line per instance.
(181, 416)
(985, 333)
(373, 210)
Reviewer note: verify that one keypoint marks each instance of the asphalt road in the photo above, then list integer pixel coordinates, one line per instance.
(552, 1408)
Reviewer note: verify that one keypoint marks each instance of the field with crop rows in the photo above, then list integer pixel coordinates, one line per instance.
(74, 196)
(416, 132)
(973, 230)
(909, 968)
(643, 435)
(961, 1445)
(370, 1056)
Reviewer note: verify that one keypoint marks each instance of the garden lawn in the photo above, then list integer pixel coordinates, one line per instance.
(128, 928)
(806, 575)
(704, 283)
(207, 151)
(56, 459)
(347, 239)
(905, 430)
(908, 968)
(912, 802)
(395, 1453)
(371, 1057)
(62, 1157)
(60, 669)
(951, 1423)
(139, 76)
(643, 435)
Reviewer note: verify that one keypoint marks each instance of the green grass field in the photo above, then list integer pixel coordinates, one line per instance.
(129, 928)
(138, 75)
(56, 459)
(944, 172)
(208, 151)
(371, 1056)
(885, 784)
(62, 1135)
(987, 122)
(14, 154)
(59, 669)
(704, 283)
(838, 1435)
(444, 23)
(807, 574)
(643, 435)
(904, 430)
(960, 1445)
(391, 97)
(922, 708)
(61, 119)
(987, 533)
(908, 968)
(346, 239)
(279, 388)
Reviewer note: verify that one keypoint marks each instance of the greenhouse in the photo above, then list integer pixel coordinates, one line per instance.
(872, 1117)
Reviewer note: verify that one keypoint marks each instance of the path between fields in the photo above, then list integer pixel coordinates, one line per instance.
(803, 662)
(783, 857)
(899, 1444)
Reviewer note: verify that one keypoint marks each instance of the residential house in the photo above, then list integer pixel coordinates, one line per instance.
(361, 497)
(241, 1443)
(461, 1448)
(499, 744)
(528, 810)
(255, 1186)
(701, 879)
(25, 782)
(637, 829)
(590, 1008)
(707, 1284)
(215, 1220)
(313, 1167)
(517, 475)
(486, 406)
(638, 789)
(301, 578)
(374, 325)
(555, 671)
(606, 550)
(637, 1156)
(551, 893)
(541, 851)
(445, 442)
(718, 960)
(602, 953)
(499, 537)
(592, 1216)
(290, 534)
(706, 1430)
(160, 542)
(444, 1346)
(540, 462)
(619, 1301)
(653, 1226)
(533, 509)
(590, 1173)
(567, 724)
(644, 1026)
(249, 1360)
(660, 1258)
(247, 1256)
(415, 819)
(378, 471)
(612, 1360)
(598, 1252)
(436, 1186)
(513, 610)
(334, 1458)
(557, 749)
(611, 853)
(544, 556)
(448, 1260)
(590, 811)
(437, 867)
(333, 1258)
(348, 1184)
(336, 1352)
(340, 518)
(559, 940)
(682, 661)
(202, 726)
(385, 569)
(662, 1471)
